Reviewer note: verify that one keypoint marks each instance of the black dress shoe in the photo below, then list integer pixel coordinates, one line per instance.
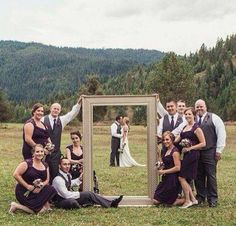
(116, 202)
(200, 201)
(212, 204)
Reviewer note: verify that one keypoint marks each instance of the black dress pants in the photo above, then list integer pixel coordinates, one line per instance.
(87, 198)
(115, 145)
(53, 163)
(206, 183)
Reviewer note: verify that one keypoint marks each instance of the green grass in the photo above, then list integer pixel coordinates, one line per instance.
(128, 181)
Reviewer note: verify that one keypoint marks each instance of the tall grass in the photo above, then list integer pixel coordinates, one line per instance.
(128, 181)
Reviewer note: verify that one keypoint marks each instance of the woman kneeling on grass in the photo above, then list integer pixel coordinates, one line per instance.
(32, 190)
(167, 190)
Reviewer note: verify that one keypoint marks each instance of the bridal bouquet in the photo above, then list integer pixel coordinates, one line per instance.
(121, 150)
(38, 183)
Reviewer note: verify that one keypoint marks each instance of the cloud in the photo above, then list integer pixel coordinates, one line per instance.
(199, 10)
(173, 25)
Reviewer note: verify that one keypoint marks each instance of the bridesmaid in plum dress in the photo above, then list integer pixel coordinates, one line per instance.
(34, 131)
(167, 190)
(74, 153)
(194, 141)
(33, 198)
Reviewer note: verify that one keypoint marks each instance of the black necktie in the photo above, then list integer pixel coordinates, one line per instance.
(69, 181)
(172, 122)
(200, 120)
(54, 124)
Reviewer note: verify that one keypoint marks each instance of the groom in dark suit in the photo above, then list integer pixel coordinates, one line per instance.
(115, 140)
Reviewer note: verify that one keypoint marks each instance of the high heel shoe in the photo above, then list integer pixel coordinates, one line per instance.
(185, 206)
(195, 202)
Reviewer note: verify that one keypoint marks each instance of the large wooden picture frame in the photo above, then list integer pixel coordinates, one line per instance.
(101, 100)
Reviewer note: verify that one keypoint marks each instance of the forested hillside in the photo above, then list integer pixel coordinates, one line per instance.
(52, 74)
(32, 71)
(210, 74)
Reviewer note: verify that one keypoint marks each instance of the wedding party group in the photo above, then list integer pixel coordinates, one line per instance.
(46, 178)
(192, 141)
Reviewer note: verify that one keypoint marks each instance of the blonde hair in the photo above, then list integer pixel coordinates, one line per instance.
(171, 135)
(36, 146)
(126, 120)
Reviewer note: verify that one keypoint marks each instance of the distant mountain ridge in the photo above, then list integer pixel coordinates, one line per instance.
(33, 71)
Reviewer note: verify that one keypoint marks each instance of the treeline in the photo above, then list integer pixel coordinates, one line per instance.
(215, 76)
(210, 74)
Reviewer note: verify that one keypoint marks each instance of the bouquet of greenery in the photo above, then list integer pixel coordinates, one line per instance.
(50, 147)
(121, 150)
(185, 143)
(38, 183)
(160, 165)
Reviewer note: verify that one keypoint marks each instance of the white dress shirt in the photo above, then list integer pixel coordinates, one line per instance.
(220, 131)
(59, 184)
(181, 126)
(161, 110)
(114, 130)
(65, 119)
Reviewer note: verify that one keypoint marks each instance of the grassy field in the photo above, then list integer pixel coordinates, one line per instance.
(128, 181)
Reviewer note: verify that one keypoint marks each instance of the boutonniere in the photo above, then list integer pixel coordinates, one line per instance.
(206, 118)
(178, 120)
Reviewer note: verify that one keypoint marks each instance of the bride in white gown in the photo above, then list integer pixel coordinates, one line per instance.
(126, 159)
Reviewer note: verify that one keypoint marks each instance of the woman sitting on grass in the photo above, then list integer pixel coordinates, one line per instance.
(167, 190)
(32, 190)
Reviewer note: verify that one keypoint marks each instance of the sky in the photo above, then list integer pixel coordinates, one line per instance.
(181, 26)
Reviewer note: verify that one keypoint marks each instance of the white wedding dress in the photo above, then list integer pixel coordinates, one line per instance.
(126, 159)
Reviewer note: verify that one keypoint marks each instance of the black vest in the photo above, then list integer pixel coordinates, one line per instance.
(118, 128)
(208, 129)
(55, 135)
(58, 198)
(118, 131)
(167, 125)
(68, 185)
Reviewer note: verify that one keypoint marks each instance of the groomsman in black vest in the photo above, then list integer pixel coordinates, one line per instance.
(115, 140)
(170, 121)
(55, 125)
(66, 198)
(215, 135)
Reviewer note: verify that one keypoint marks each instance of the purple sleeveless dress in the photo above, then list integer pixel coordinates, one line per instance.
(167, 190)
(75, 171)
(189, 163)
(40, 136)
(34, 201)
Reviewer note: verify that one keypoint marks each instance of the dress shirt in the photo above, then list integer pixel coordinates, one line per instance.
(114, 130)
(220, 131)
(160, 127)
(65, 119)
(181, 126)
(59, 184)
(161, 110)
